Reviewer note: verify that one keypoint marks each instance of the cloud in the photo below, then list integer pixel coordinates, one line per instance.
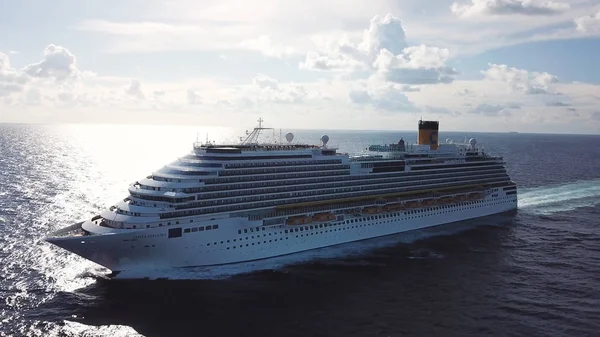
(192, 97)
(339, 62)
(385, 32)
(33, 96)
(382, 56)
(382, 96)
(11, 80)
(134, 89)
(440, 110)
(494, 110)
(416, 65)
(465, 92)
(508, 7)
(58, 63)
(521, 80)
(270, 90)
(408, 88)
(588, 24)
(557, 103)
(265, 45)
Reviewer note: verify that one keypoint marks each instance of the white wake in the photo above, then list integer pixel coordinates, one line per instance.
(560, 198)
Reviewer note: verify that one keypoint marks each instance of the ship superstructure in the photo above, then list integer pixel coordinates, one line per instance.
(237, 202)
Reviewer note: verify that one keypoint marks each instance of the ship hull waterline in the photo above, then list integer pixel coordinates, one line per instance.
(151, 248)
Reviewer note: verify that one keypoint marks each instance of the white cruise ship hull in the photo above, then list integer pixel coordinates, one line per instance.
(238, 240)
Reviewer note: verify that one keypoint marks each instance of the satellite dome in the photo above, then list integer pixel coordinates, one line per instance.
(289, 137)
(325, 139)
(472, 141)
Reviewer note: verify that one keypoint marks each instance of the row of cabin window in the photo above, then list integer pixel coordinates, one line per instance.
(200, 229)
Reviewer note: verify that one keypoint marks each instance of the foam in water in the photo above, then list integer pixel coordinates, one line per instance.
(560, 198)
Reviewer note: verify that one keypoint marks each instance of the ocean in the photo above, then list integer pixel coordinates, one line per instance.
(534, 272)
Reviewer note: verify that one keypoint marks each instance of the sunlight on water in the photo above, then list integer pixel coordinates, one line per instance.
(64, 174)
(560, 198)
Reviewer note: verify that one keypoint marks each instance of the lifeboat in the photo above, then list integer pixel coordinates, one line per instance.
(474, 196)
(372, 210)
(427, 202)
(298, 220)
(323, 216)
(395, 207)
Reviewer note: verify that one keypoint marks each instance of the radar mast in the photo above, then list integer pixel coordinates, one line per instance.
(252, 137)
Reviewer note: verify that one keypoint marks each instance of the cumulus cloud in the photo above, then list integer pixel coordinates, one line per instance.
(339, 61)
(382, 96)
(521, 80)
(11, 80)
(588, 24)
(58, 63)
(383, 49)
(385, 32)
(271, 90)
(508, 7)
(391, 66)
(416, 65)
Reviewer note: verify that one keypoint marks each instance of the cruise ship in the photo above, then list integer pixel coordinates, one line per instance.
(229, 203)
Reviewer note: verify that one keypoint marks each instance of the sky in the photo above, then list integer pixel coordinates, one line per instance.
(473, 65)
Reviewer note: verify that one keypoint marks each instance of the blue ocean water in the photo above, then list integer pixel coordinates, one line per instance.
(531, 273)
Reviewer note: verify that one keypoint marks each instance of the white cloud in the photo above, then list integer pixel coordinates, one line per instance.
(265, 45)
(270, 90)
(384, 97)
(495, 110)
(134, 89)
(385, 32)
(192, 97)
(521, 80)
(58, 63)
(373, 71)
(11, 80)
(392, 67)
(558, 103)
(336, 62)
(508, 7)
(588, 24)
(416, 65)
(383, 50)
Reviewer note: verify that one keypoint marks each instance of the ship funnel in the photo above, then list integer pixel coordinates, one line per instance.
(428, 133)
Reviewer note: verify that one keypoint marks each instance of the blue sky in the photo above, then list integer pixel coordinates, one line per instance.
(495, 65)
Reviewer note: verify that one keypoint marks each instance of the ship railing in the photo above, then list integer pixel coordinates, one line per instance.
(344, 206)
(267, 146)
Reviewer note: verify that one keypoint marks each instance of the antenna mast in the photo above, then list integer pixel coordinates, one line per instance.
(252, 138)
